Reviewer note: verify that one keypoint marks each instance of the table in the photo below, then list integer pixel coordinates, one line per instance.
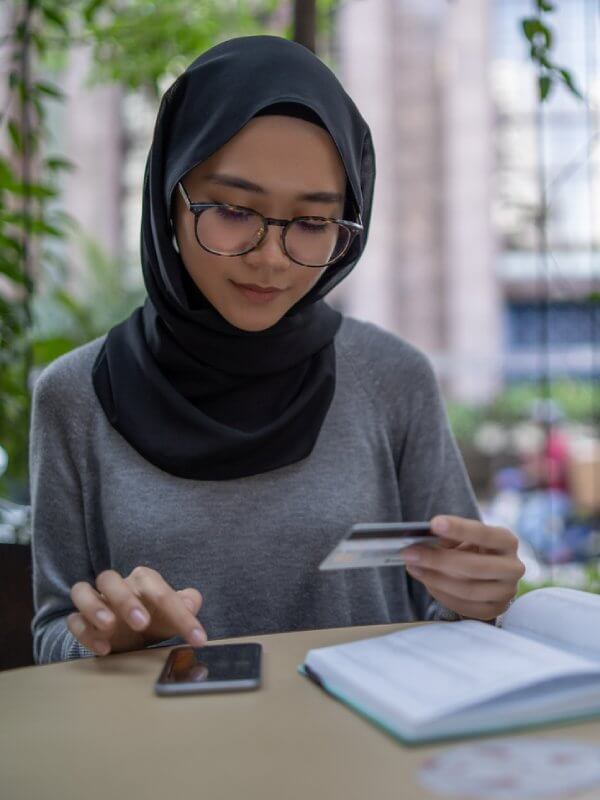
(93, 729)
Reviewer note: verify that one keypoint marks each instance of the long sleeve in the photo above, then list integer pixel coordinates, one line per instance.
(60, 552)
(60, 555)
(431, 473)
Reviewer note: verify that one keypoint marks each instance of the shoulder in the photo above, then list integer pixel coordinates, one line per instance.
(384, 357)
(67, 381)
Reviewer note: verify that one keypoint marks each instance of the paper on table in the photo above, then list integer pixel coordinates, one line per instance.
(431, 670)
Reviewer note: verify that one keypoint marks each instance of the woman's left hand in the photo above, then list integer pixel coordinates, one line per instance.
(476, 570)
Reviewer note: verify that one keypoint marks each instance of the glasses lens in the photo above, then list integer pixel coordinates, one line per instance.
(316, 242)
(228, 230)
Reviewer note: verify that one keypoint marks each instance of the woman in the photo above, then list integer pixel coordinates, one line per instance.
(191, 468)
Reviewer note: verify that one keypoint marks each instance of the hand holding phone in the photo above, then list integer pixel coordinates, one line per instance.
(378, 544)
(121, 614)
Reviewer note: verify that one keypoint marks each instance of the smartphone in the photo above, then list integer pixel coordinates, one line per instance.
(212, 668)
(378, 544)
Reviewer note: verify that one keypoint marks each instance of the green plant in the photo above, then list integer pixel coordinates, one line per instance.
(578, 399)
(541, 40)
(591, 580)
(28, 182)
(139, 43)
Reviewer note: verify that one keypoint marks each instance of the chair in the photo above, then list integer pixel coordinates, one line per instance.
(16, 606)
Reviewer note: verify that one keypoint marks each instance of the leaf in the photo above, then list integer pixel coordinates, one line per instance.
(566, 76)
(531, 26)
(56, 163)
(53, 15)
(13, 244)
(11, 270)
(38, 190)
(69, 302)
(89, 12)
(14, 131)
(7, 177)
(46, 350)
(545, 85)
(50, 90)
(544, 5)
(20, 31)
(39, 41)
(538, 34)
(538, 54)
(32, 224)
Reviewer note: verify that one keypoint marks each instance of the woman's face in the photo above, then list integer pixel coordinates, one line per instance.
(283, 157)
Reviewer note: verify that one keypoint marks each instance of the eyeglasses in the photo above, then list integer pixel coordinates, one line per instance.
(229, 230)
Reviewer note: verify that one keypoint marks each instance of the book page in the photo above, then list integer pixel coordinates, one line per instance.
(560, 617)
(424, 672)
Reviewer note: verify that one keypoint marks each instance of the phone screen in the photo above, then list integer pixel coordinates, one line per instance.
(211, 668)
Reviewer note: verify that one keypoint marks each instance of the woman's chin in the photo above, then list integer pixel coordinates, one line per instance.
(253, 322)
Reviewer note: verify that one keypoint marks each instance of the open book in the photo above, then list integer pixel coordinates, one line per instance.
(448, 680)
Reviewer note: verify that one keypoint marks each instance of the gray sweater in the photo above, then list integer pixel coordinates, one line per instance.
(251, 546)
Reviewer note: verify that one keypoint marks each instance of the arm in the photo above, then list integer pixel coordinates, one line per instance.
(432, 478)
(60, 555)
(62, 558)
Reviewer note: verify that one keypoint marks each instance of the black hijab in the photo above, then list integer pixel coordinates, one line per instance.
(192, 393)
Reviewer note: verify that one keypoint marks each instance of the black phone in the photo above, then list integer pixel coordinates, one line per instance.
(212, 668)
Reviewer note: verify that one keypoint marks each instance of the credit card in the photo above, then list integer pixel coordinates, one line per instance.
(378, 544)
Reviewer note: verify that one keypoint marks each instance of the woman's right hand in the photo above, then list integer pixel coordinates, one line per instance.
(129, 613)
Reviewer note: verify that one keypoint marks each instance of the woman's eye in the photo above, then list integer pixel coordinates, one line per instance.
(232, 213)
(312, 227)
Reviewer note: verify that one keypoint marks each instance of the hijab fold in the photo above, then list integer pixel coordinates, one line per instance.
(193, 394)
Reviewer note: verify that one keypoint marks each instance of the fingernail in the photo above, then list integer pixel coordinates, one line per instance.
(412, 558)
(198, 636)
(440, 525)
(104, 616)
(138, 617)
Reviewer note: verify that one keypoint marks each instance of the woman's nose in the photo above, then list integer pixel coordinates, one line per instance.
(270, 248)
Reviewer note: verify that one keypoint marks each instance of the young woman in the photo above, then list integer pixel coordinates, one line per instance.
(191, 468)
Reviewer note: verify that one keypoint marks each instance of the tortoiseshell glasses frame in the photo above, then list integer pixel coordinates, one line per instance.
(353, 228)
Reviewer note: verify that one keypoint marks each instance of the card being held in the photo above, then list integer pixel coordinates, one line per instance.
(378, 544)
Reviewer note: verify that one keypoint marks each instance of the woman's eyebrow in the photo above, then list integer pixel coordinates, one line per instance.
(242, 183)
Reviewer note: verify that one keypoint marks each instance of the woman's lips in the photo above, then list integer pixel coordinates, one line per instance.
(256, 295)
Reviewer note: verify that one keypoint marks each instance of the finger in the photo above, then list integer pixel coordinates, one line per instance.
(470, 565)
(123, 600)
(153, 586)
(482, 611)
(92, 606)
(471, 591)
(192, 598)
(473, 531)
(87, 635)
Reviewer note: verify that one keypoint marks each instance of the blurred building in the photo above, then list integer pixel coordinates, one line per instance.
(453, 263)
(418, 70)
(551, 318)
